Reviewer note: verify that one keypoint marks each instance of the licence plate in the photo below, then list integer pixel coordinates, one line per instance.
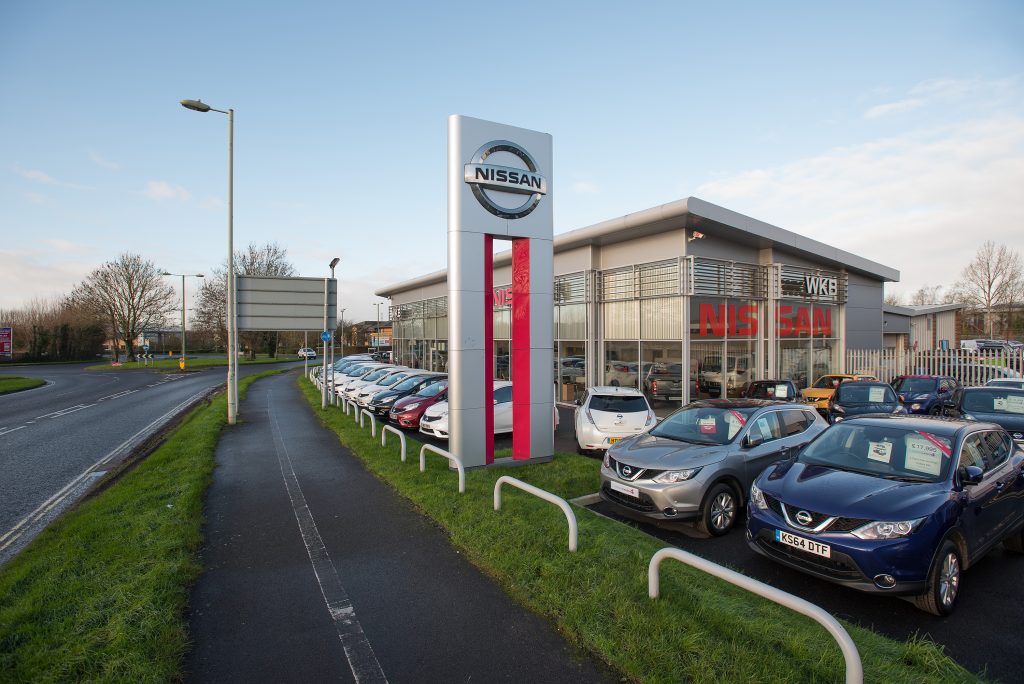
(817, 548)
(625, 489)
(613, 440)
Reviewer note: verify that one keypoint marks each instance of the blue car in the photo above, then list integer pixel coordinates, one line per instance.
(925, 393)
(893, 505)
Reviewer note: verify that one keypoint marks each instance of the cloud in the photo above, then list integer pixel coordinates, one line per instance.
(162, 190)
(36, 197)
(894, 108)
(584, 188)
(28, 274)
(921, 202)
(36, 175)
(65, 245)
(104, 163)
(212, 203)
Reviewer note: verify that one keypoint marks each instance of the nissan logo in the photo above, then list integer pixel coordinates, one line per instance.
(489, 181)
(804, 518)
(626, 470)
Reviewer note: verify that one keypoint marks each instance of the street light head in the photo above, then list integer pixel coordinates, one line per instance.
(166, 273)
(334, 262)
(200, 275)
(195, 105)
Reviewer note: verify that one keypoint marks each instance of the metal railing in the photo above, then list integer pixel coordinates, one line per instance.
(968, 368)
(854, 669)
(570, 517)
(373, 421)
(384, 438)
(355, 411)
(450, 456)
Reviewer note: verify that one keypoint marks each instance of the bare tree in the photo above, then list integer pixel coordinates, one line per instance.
(926, 294)
(131, 294)
(990, 280)
(893, 299)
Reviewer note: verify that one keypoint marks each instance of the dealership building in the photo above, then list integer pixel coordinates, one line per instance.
(684, 300)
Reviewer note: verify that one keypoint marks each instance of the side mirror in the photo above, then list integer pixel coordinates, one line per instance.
(578, 402)
(972, 475)
(752, 440)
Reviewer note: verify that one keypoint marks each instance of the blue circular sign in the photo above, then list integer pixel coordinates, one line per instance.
(325, 336)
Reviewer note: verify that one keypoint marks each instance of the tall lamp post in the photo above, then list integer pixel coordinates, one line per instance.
(378, 305)
(183, 276)
(341, 321)
(200, 106)
(334, 262)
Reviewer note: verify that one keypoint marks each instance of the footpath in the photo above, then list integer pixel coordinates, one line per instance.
(315, 570)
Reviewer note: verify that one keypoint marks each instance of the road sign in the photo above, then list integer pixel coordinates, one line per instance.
(145, 348)
(6, 338)
(325, 336)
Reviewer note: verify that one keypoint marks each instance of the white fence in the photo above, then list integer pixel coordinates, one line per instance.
(970, 369)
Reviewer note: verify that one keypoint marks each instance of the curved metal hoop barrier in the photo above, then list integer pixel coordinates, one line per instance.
(384, 438)
(854, 669)
(450, 456)
(373, 421)
(355, 411)
(540, 493)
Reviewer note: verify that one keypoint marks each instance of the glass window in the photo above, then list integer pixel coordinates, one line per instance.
(572, 321)
(998, 447)
(914, 385)
(433, 388)
(888, 451)
(503, 395)
(662, 375)
(703, 424)
(502, 360)
(767, 427)
(795, 422)
(571, 375)
(621, 367)
(617, 404)
(621, 320)
(971, 452)
(660, 319)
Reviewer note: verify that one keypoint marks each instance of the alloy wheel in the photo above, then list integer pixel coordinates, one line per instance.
(723, 510)
(949, 579)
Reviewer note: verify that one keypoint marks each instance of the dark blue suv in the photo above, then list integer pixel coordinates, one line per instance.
(889, 504)
(925, 393)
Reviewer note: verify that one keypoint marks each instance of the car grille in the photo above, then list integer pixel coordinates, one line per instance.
(430, 419)
(816, 518)
(840, 524)
(636, 473)
(643, 504)
(839, 566)
(847, 524)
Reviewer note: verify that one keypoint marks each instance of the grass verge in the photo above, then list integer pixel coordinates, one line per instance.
(700, 630)
(14, 383)
(101, 593)
(191, 364)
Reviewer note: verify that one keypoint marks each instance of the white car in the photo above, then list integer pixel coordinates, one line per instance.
(365, 394)
(353, 387)
(434, 421)
(607, 414)
(342, 380)
(307, 353)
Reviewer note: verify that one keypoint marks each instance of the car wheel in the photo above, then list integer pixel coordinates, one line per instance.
(943, 582)
(719, 512)
(935, 410)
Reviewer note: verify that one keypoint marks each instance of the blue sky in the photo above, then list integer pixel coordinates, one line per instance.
(893, 130)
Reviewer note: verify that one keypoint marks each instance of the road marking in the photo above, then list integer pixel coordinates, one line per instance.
(116, 396)
(6, 431)
(358, 651)
(13, 534)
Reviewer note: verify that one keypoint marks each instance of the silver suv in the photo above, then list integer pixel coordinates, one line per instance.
(699, 462)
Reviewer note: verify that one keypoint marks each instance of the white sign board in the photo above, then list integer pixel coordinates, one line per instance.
(276, 303)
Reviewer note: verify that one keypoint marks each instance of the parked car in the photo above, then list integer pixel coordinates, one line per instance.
(621, 373)
(434, 421)
(379, 373)
(307, 353)
(818, 394)
(924, 393)
(898, 505)
(356, 372)
(737, 373)
(697, 464)
(606, 415)
(381, 403)
(366, 394)
(1003, 406)
(862, 397)
(1012, 383)
(664, 381)
(779, 390)
(406, 411)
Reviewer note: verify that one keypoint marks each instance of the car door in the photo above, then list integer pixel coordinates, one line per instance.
(981, 517)
(503, 409)
(1006, 502)
(766, 427)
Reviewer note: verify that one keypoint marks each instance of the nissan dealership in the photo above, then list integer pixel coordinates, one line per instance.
(684, 300)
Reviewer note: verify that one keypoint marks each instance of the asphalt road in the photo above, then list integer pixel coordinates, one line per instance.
(50, 436)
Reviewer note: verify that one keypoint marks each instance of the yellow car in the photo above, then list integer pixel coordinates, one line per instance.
(821, 391)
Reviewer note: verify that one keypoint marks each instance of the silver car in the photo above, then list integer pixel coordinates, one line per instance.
(699, 462)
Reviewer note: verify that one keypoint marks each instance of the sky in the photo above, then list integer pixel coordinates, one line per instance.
(891, 130)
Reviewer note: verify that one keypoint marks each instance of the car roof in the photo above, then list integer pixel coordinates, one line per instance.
(856, 383)
(769, 382)
(611, 389)
(930, 377)
(740, 403)
(944, 427)
(991, 388)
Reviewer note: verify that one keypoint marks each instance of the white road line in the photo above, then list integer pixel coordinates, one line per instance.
(358, 651)
(12, 534)
(5, 431)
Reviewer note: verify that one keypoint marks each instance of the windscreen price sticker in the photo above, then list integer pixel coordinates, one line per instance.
(1012, 404)
(876, 395)
(880, 451)
(924, 455)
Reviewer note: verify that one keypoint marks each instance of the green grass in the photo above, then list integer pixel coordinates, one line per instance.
(700, 630)
(171, 363)
(101, 594)
(14, 383)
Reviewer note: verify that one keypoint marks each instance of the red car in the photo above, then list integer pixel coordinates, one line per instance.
(406, 412)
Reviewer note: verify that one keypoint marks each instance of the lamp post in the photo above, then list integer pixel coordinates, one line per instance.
(334, 262)
(378, 305)
(341, 321)
(183, 276)
(200, 106)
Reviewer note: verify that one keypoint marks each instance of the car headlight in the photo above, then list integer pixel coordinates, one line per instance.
(967, 416)
(410, 407)
(915, 407)
(899, 410)
(388, 400)
(838, 419)
(887, 530)
(673, 476)
(757, 498)
(838, 409)
(607, 460)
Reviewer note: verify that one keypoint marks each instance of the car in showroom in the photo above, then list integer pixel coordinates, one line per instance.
(779, 390)
(406, 411)
(663, 381)
(382, 403)
(862, 397)
(307, 353)
(697, 464)
(925, 393)
(818, 394)
(1003, 406)
(899, 505)
(605, 415)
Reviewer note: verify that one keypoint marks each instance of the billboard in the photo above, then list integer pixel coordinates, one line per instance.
(279, 303)
(6, 342)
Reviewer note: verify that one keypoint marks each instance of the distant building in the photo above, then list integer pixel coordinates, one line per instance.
(922, 328)
(370, 336)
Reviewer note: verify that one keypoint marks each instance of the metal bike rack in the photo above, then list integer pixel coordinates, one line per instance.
(355, 411)
(450, 456)
(854, 669)
(373, 421)
(540, 493)
(384, 438)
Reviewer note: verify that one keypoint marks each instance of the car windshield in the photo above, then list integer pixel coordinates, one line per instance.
(993, 400)
(915, 385)
(393, 378)
(378, 374)
(853, 394)
(618, 404)
(887, 451)
(703, 424)
(408, 382)
(828, 382)
(433, 389)
(770, 390)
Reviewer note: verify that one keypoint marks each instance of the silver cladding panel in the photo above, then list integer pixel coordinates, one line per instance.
(468, 304)
(285, 304)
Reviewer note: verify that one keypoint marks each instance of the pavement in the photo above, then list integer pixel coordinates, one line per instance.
(315, 570)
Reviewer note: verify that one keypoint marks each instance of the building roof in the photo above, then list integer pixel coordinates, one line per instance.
(921, 310)
(691, 212)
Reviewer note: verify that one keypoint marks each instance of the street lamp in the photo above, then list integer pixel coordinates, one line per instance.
(200, 106)
(334, 262)
(378, 305)
(183, 276)
(341, 321)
